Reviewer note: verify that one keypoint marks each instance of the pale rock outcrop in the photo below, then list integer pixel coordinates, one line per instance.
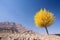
(13, 31)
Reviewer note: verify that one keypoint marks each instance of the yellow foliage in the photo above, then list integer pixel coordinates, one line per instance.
(44, 18)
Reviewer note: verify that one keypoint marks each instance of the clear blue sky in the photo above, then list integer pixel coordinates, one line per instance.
(23, 11)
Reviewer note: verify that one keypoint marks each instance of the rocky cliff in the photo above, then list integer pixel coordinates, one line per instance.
(13, 31)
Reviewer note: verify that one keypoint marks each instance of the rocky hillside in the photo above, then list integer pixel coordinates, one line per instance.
(13, 31)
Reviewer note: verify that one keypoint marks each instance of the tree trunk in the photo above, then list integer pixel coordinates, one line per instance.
(46, 30)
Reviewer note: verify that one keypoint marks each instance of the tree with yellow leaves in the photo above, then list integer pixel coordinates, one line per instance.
(44, 18)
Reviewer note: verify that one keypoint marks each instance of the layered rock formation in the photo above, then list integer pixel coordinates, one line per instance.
(13, 31)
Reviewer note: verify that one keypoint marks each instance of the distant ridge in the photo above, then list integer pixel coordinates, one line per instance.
(13, 27)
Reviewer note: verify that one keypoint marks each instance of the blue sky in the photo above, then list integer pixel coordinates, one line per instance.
(23, 11)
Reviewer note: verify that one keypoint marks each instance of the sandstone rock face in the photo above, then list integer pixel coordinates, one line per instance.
(13, 31)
